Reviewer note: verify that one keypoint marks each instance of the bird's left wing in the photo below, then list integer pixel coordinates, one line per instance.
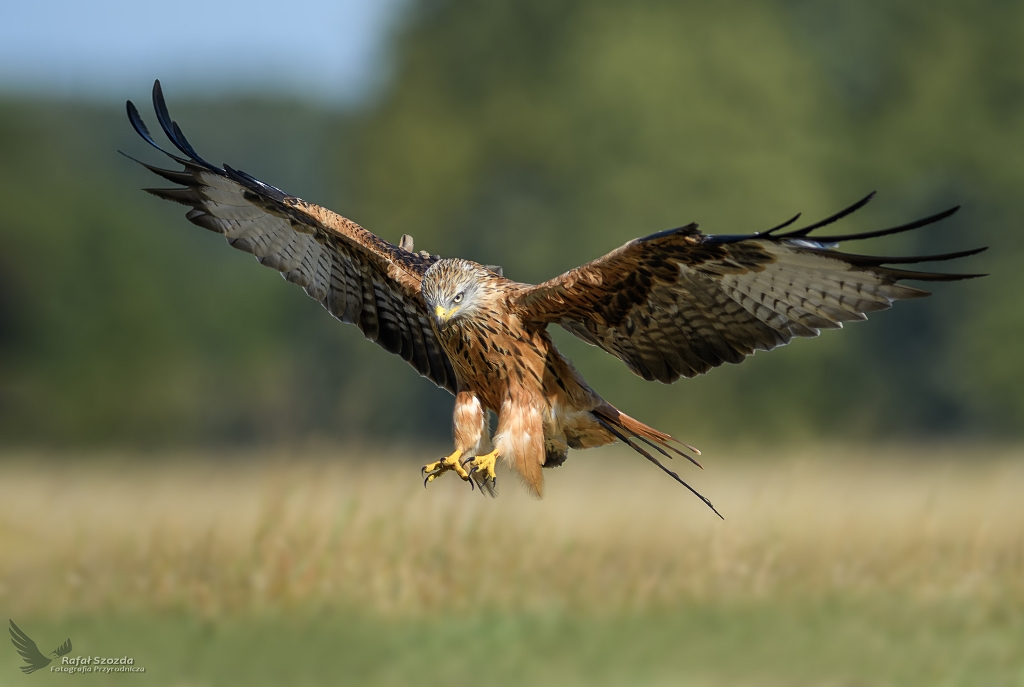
(679, 302)
(28, 650)
(359, 277)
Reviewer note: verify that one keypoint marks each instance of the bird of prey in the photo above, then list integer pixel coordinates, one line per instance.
(30, 652)
(673, 304)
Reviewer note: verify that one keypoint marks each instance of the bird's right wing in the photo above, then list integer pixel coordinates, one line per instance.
(357, 276)
(27, 649)
(64, 649)
(679, 302)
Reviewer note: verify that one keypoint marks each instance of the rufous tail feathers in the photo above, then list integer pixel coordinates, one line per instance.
(632, 432)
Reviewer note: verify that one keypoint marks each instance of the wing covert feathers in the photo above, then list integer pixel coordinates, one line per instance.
(360, 278)
(678, 303)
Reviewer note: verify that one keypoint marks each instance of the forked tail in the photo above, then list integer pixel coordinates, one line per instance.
(628, 430)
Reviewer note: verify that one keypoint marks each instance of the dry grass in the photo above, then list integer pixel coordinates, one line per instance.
(291, 532)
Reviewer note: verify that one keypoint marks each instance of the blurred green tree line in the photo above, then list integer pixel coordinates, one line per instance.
(537, 135)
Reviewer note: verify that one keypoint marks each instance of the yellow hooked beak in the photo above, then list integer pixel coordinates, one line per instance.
(444, 314)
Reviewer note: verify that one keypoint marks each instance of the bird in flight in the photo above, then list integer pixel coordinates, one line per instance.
(673, 304)
(34, 658)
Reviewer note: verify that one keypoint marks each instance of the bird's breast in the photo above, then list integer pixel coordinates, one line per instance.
(491, 356)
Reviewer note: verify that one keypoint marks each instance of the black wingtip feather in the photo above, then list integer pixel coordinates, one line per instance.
(255, 184)
(804, 231)
(785, 224)
(163, 117)
(142, 130)
(825, 244)
(180, 136)
(879, 260)
(185, 196)
(171, 128)
(184, 178)
(916, 224)
(927, 276)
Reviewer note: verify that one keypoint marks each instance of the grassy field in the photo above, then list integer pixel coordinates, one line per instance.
(883, 566)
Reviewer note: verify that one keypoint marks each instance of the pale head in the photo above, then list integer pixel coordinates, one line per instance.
(455, 289)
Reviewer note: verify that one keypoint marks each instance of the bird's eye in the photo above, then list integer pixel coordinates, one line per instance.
(458, 297)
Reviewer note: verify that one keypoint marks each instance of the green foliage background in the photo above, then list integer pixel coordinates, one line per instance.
(535, 134)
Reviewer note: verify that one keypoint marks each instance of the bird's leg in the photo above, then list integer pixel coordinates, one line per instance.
(467, 422)
(481, 469)
(432, 471)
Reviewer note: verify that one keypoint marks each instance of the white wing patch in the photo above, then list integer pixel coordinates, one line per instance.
(801, 293)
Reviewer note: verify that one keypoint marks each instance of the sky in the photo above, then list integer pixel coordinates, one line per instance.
(110, 49)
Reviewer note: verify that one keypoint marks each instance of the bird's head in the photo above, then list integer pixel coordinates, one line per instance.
(455, 289)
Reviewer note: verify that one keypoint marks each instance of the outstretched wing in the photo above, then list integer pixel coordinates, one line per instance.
(678, 303)
(64, 649)
(357, 276)
(28, 650)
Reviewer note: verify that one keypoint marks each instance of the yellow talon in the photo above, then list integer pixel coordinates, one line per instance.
(485, 464)
(438, 468)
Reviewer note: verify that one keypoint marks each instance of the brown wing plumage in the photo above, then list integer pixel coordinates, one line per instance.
(357, 276)
(678, 303)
